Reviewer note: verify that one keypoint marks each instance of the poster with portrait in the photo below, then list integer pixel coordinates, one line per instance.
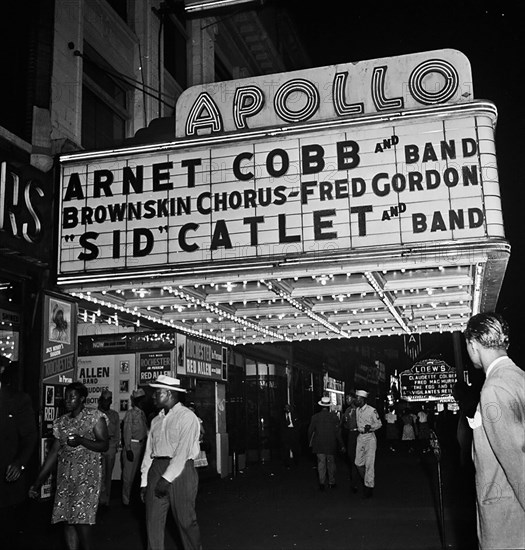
(59, 321)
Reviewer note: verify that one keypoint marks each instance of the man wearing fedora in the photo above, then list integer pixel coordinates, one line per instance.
(367, 423)
(134, 434)
(169, 478)
(324, 434)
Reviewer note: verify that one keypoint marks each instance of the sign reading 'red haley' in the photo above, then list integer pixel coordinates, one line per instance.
(301, 190)
(428, 380)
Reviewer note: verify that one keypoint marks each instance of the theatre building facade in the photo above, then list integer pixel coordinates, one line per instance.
(239, 213)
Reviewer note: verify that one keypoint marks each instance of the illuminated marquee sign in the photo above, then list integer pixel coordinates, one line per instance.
(347, 90)
(428, 380)
(347, 188)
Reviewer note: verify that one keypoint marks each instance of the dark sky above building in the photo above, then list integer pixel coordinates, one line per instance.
(490, 34)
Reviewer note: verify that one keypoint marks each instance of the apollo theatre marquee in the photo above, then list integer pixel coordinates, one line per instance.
(371, 169)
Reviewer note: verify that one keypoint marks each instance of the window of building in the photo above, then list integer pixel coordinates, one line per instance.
(104, 103)
(175, 49)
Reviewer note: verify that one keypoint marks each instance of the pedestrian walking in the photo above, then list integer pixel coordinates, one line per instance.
(408, 435)
(498, 435)
(289, 432)
(367, 423)
(349, 423)
(18, 435)
(169, 479)
(324, 434)
(392, 430)
(134, 434)
(423, 430)
(108, 457)
(80, 436)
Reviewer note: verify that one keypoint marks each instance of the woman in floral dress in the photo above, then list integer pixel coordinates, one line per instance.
(80, 436)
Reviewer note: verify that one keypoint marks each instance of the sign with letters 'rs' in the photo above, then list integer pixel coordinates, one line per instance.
(428, 380)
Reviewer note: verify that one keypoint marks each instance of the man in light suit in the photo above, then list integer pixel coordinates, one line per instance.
(498, 436)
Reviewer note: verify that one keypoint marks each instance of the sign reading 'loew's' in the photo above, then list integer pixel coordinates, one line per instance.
(347, 188)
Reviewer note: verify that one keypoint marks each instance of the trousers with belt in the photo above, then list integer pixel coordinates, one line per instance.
(181, 499)
(130, 467)
(365, 457)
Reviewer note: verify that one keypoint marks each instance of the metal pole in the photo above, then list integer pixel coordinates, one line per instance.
(434, 443)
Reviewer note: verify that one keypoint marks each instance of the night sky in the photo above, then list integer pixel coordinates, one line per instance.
(490, 34)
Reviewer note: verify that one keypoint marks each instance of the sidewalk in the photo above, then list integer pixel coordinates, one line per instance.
(268, 507)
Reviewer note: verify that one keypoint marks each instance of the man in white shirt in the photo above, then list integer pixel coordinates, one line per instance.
(498, 435)
(169, 479)
(367, 423)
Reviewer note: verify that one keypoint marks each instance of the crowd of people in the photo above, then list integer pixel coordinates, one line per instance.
(167, 451)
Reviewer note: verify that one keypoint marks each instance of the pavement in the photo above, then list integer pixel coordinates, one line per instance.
(269, 507)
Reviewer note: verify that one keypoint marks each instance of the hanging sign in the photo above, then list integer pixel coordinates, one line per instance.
(428, 380)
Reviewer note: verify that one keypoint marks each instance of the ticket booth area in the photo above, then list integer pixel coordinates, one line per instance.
(288, 216)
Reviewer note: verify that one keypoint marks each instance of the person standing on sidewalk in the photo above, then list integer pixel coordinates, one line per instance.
(350, 429)
(134, 434)
(367, 423)
(498, 435)
(108, 457)
(289, 431)
(324, 434)
(18, 440)
(169, 478)
(79, 437)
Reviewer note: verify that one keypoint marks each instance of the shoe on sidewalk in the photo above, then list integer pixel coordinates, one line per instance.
(368, 492)
(333, 485)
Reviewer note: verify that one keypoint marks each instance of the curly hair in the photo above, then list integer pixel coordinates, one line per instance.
(489, 329)
(78, 387)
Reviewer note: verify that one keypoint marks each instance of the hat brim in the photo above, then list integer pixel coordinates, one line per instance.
(324, 404)
(166, 387)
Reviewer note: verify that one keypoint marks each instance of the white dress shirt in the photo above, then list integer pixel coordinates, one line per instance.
(173, 434)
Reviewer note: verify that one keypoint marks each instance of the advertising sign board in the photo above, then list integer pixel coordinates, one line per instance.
(440, 77)
(341, 189)
(428, 380)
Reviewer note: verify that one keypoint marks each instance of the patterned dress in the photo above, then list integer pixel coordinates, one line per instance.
(79, 470)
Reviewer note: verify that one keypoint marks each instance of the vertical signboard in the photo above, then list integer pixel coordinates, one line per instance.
(58, 366)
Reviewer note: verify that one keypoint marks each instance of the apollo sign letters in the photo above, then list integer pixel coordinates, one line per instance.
(342, 186)
(346, 90)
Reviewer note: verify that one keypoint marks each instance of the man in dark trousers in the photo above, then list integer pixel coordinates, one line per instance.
(324, 434)
(290, 442)
(18, 438)
(169, 478)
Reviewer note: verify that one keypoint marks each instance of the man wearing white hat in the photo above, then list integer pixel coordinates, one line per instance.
(134, 433)
(169, 479)
(324, 434)
(367, 423)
